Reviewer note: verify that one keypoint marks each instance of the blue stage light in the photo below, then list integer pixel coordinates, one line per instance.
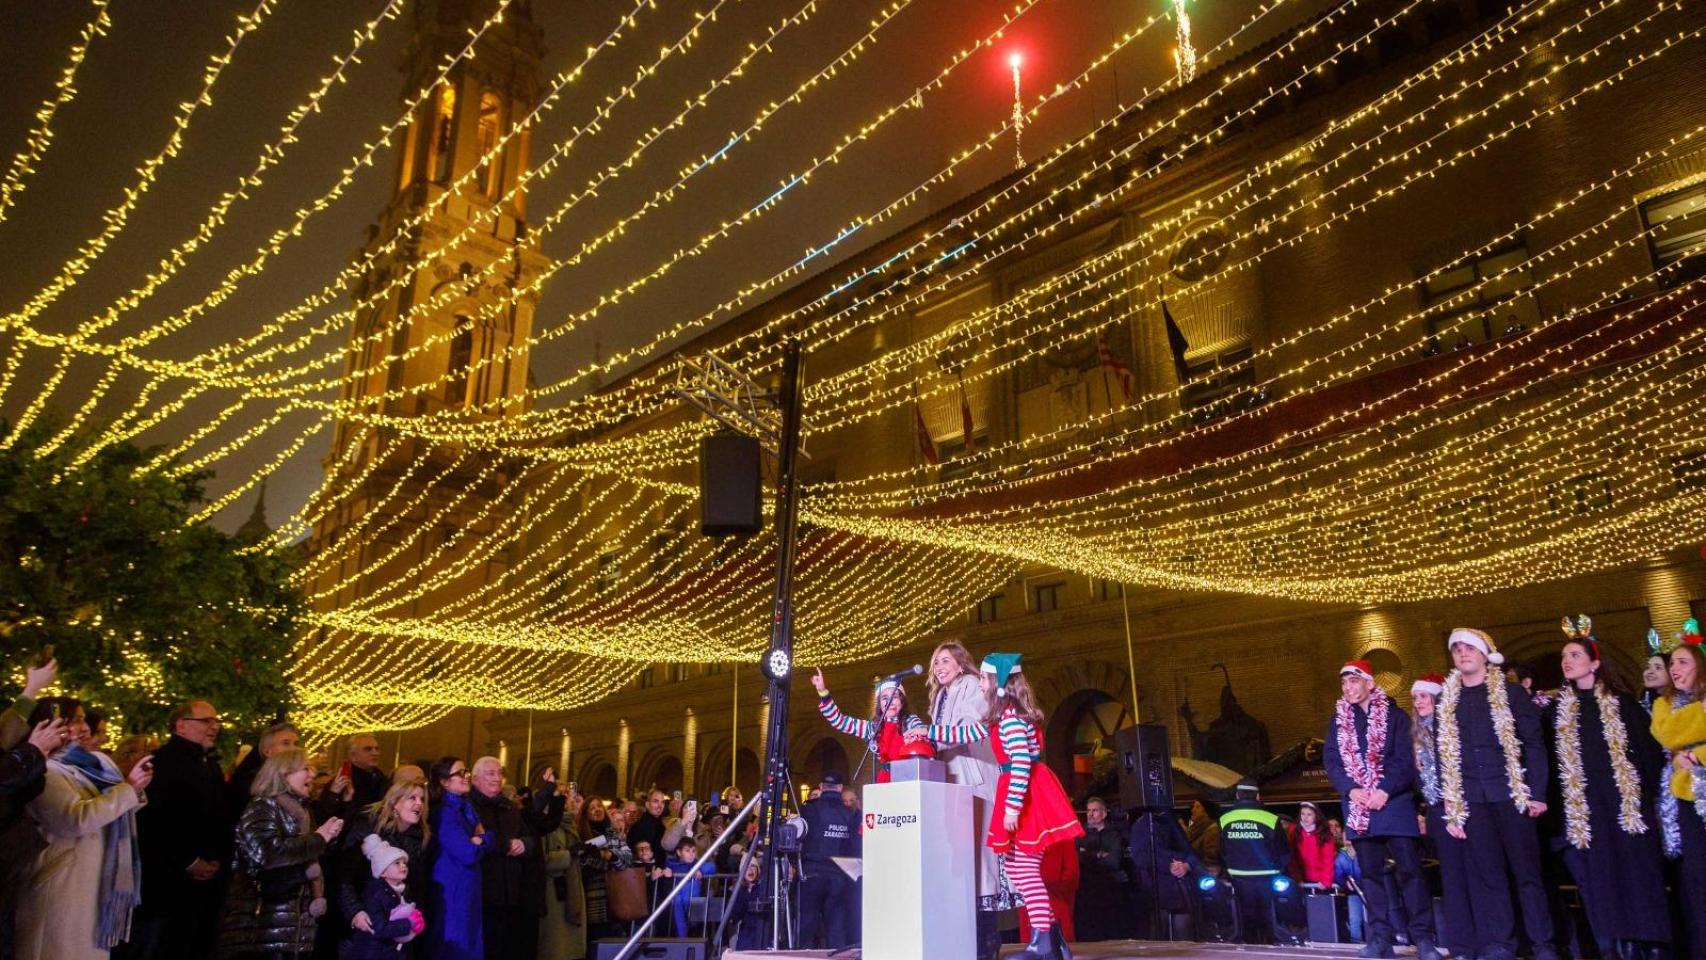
(1206, 883)
(1282, 884)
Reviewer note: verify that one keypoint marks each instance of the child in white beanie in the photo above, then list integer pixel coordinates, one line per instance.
(396, 921)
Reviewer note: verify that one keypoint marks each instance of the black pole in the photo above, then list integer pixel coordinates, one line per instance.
(776, 777)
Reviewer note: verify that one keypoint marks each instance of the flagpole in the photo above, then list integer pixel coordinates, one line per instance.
(1130, 656)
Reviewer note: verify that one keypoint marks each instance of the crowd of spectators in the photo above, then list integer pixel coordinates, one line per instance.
(142, 850)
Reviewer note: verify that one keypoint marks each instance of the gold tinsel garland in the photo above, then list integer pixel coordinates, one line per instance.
(1451, 746)
(1576, 827)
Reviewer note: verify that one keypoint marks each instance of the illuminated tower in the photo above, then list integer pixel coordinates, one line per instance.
(454, 235)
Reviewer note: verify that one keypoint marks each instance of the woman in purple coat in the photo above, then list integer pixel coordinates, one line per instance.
(453, 858)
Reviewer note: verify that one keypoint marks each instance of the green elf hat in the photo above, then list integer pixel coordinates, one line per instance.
(1002, 666)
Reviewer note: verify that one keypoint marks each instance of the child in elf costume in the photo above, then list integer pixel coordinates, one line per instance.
(890, 738)
(1033, 811)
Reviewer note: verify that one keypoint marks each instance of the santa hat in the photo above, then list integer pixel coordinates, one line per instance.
(1001, 666)
(887, 685)
(380, 854)
(1470, 637)
(1357, 668)
(1429, 683)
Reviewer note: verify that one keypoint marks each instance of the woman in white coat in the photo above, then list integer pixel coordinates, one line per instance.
(956, 698)
(77, 904)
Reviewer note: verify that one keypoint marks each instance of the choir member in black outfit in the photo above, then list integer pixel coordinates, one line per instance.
(1607, 772)
(1492, 766)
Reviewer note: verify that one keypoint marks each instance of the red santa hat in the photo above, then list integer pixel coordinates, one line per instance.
(1469, 636)
(1429, 683)
(1357, 668)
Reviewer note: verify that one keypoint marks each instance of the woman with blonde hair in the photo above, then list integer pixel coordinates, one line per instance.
(400, 819)
(274, 902)
(956, 698)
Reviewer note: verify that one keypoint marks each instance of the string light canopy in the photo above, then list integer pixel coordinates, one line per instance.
(538, 552)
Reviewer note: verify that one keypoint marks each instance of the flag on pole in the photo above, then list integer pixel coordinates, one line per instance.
(1111, 364)
(1176, 342)
(966, 423)
(926, 445)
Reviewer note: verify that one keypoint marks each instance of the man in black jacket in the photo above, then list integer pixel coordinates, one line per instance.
(1164, 869)
(185, 839)
(23, 771)
(512, 874)
(1101, 911)
(825, 889)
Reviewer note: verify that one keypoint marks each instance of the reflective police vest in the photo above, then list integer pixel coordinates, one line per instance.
(1252, 843)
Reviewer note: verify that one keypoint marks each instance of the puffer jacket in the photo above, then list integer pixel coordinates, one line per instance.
(267, 909)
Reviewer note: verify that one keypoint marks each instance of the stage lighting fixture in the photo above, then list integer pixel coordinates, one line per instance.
(778, 664)
(1282, 884)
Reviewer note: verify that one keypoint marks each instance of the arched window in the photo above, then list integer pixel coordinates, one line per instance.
(491, 125)
(443, 132)
(461, 356)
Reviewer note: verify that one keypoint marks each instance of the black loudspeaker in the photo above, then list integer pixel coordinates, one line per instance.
(1145, 768)
(731, 481)
(653, 948)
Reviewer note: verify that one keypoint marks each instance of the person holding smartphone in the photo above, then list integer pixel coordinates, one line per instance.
(77, 902)
(24, 750)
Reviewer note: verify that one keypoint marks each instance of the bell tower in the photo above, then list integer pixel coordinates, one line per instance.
(446, 329)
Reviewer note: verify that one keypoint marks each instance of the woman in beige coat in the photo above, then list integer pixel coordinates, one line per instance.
(956, 698)
(77, 903)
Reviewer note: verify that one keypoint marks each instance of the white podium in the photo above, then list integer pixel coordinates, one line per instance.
(920, 872)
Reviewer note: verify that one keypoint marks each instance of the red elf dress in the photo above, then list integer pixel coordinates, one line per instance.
(1046, 816)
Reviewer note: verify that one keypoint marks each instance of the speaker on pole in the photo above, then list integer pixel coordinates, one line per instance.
(1145, 767)
(731, 480)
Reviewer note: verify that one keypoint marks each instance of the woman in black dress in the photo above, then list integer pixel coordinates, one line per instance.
(1607, 776)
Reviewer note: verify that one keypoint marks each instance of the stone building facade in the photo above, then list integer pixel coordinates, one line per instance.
(696, 727)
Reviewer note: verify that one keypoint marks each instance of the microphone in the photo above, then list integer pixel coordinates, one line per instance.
(911, 671)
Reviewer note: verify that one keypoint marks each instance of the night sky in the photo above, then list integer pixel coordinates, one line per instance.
(153, 57)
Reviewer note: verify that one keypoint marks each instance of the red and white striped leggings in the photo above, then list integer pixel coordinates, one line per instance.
(1025, 870)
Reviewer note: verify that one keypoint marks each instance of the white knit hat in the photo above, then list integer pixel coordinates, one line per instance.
(380, 854)
(1469, 636)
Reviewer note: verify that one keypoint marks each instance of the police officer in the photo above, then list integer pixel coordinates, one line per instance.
(826, 892)
(1255, 850)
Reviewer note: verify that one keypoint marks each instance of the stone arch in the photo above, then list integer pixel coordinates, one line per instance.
(598, 777)
(659, 767)
(822, 756)
(1054, 685)
(713, 773)
(1080, 730)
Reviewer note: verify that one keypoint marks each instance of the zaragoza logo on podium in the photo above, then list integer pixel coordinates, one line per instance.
(875, 820)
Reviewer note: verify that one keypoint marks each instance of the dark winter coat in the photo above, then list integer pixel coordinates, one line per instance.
(267, 903)
(184, 820)
(378, 900)
(23, 773)
(507, 881)
(1397, 773)
(1484, 777)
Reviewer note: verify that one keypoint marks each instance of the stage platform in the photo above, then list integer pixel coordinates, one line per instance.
(1121, 950)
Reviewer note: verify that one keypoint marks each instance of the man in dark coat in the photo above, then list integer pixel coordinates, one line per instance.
(1164, 869)
(185, 840)
(1371, 760)
(649, 826)
(23, 774)
(825, 889)
(1101, 911)
(1502, 844)
(512, 874)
